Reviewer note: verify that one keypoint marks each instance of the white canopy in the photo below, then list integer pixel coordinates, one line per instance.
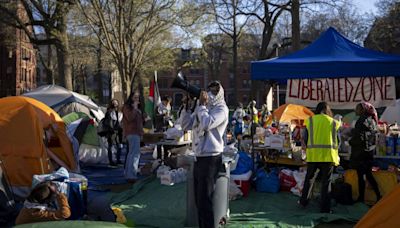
(392, 113)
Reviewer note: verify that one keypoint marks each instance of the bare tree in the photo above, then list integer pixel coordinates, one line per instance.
(231, 23)
(215, 48)
(50, 17)
(385, 33)
(128, 28)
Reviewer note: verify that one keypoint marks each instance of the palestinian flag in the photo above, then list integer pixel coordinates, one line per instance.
(153, 100)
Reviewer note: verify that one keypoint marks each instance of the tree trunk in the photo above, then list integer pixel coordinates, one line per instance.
(63, 54)
(49, 68)
(295, 25)
(84, 76)
(99, 74)
(64, 65)
(141, 91)
(235, 56)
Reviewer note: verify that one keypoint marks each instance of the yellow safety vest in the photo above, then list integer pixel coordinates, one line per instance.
(322, 143)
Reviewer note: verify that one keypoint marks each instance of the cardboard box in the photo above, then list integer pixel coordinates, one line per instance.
(276, 141)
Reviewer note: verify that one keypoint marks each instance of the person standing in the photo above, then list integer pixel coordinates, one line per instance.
(114, 136)
(132, 123)
(163, 115)
(363, 145)
(208, 122)
(322, 153)
(237, 120)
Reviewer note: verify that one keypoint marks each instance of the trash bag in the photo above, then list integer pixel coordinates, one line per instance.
(267, 181)
(244, 165)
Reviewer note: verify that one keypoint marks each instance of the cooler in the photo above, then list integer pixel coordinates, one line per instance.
(243, 181)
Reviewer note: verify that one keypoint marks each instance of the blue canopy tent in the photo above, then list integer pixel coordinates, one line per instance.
(331, 55)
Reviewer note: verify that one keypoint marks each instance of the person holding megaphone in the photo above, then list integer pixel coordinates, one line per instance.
(208, 121)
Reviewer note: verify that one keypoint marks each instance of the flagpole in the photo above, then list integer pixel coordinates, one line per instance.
(155, 87)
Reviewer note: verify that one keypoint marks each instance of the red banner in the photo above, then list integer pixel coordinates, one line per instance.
(342, 93)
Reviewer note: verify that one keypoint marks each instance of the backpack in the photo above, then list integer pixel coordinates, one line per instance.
(104, 128)
(341, 192)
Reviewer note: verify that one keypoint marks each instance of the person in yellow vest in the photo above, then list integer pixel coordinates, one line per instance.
(322, 153)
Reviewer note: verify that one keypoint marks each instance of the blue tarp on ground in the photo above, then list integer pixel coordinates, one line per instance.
(331, 55)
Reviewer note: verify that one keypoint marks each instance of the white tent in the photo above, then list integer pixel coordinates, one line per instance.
(64, 101)
(392, 113)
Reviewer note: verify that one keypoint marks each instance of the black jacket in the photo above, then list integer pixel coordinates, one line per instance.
(363, 140)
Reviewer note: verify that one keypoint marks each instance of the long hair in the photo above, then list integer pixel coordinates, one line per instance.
(110, 104)
(324, 108)
(129, 101)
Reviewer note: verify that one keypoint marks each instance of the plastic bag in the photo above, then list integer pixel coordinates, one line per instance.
(299, 177)
(245, 164)
(286, 180)
(267, 181)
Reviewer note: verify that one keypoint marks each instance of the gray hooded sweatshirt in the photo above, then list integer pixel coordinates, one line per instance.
(208, 125)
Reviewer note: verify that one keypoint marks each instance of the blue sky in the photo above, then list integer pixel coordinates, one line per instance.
(365, 5)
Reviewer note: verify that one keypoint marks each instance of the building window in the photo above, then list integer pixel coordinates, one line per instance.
(198, 83)
(231, 81)
(245, 99)
(231, 101)
(244, 84)
(163, 83)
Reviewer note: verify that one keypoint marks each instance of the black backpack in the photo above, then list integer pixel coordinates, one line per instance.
(104, 127)
(341, 192)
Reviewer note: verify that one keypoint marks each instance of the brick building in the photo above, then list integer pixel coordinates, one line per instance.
(198, 75)
(17, 60)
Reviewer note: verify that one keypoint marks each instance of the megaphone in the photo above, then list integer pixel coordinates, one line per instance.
(180, 82)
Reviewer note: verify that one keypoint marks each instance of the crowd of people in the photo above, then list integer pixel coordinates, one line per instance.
(208, 118)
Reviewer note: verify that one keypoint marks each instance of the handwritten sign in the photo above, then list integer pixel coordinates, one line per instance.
(342, 93)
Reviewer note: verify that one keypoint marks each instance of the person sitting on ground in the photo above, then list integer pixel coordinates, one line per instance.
(40, 205)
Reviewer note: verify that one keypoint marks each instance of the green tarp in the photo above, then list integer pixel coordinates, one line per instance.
(68, 224)
(90, 137)
(150, 204)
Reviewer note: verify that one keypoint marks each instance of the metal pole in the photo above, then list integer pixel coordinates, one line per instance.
(277, 94)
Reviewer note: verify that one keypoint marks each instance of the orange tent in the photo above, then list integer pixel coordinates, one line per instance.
(290, 112)
(23, 152)
(385, 213)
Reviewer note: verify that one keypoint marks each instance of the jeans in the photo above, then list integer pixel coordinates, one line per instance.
(132, 161)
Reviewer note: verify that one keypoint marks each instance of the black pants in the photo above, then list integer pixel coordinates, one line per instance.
(114, 138)
(325, 171)
(364, 168)
(205, 176)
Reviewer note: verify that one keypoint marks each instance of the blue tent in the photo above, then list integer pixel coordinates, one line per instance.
(331, 55)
